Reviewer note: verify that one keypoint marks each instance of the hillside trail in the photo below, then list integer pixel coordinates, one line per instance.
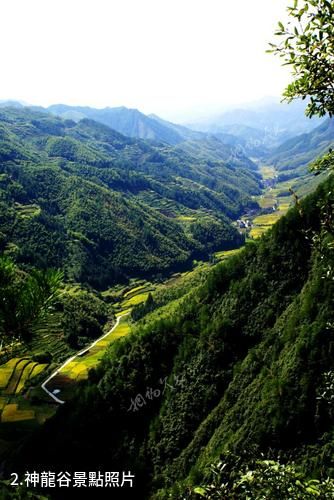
(79, 353)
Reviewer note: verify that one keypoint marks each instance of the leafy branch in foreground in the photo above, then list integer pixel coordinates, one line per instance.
(261, 479)
(24, 298)
(308, 47)
(323, 164)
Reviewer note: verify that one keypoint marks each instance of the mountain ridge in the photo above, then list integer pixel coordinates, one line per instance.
(111, 203)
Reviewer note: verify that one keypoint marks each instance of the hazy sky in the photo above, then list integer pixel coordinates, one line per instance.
(164, 56)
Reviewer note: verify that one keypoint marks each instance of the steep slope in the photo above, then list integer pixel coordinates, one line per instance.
(214, 149)
(235, 361)
(184, 132)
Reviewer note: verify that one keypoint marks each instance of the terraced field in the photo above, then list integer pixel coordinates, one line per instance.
(263, 222)
(27, 211)
(6, 371)
(133, 291)
(16, 404)
(13, 376)
(16, 372)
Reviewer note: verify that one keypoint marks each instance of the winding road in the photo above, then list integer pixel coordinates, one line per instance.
(79, 353)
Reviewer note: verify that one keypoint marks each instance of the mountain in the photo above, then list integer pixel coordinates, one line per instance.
(185, 133)
(133, 123)
(262, 125)
(292, 156)
(233, 369)
(129, 122)
(12, 104)
(104, 207)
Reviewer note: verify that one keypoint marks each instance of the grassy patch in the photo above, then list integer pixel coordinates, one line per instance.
(185, 218)
(225, 254)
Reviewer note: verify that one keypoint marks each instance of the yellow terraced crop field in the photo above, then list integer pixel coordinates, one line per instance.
(11, 413)
(29, 372)
(6, 371)
(24, 377)
(262, 223)
(267, 219)
(135, 290)
(136, 299)
(16, 376)
(18, 371)
(256, 232)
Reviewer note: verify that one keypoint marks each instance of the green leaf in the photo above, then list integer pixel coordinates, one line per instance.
(313, 491)
(200, 491)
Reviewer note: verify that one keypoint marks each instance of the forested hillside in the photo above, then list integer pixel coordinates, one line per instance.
(240, 362)
(293, 156)
(105, 207)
